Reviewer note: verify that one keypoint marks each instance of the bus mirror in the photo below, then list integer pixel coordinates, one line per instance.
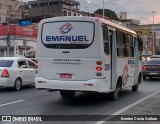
(140, 44)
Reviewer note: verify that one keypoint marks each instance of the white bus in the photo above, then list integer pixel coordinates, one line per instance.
(86, 54)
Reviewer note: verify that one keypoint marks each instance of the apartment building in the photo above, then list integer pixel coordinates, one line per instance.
(53, 8)
(11, 9)
(151, 35)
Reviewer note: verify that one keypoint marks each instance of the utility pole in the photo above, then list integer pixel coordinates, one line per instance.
(103, 9)
(153, 37)
(8, 35)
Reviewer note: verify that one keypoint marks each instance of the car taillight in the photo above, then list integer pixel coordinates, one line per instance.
(144, 67)
(5, 73)
(36, 65)
(36, 61)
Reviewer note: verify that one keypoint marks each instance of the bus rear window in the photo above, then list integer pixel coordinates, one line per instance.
(68, 34)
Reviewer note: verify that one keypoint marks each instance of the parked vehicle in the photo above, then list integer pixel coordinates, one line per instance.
(155, 56)
(16, 71)
(151, 68)
(31, 54)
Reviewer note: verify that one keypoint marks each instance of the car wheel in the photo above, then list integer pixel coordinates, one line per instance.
(144, 77)
(17, 84)
(135, 87)
(67, 94)
(150, 78)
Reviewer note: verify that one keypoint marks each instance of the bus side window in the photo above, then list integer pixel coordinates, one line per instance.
(129, 46)
(120, 43)
(105, 40)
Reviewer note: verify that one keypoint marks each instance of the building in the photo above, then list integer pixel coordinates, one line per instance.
(53, 8)
(122, 15)
(14, 40)
(21, 39)
(151, 35)
(10, 9)
(129, 23)
(83, 13)
(101, 16)
(25, 10)
(18, 47)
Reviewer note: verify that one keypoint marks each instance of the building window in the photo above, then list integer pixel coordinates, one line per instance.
(65, 13)
(55, 3)
(34, 5)
(5, 7)
(74, 14)
(26, 7)
(43, 4)
(9, 7)
(69, 13)
(0, 6)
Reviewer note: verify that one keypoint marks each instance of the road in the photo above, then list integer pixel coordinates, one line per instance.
(30, 101)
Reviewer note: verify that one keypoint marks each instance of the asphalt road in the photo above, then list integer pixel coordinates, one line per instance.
(30, 101)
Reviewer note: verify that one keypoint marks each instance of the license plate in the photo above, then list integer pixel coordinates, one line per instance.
(65, 76)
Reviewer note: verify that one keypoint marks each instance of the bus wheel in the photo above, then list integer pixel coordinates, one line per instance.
(114, 95)
(135, 87)
(67, 94)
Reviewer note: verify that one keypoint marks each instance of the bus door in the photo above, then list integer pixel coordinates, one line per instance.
(110, 56)
(136, 53)
(113, 54)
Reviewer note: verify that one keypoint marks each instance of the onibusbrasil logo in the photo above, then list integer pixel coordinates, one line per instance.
(66, 28)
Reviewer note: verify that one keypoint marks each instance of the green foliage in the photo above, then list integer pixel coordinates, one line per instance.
(109, 13)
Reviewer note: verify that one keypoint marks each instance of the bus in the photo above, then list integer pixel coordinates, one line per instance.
(87, 54)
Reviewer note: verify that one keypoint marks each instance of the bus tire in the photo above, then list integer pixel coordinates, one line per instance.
(135, 88)
(119, 84)
(114, 95)
(140, 78)
(67, 94)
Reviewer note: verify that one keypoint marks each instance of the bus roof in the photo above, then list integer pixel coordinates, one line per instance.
(83, 18)
(118, 26)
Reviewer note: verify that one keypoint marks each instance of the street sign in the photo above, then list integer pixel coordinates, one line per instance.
(25, 23)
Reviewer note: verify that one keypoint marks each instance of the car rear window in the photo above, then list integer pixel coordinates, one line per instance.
(153, 62)
(6, 63)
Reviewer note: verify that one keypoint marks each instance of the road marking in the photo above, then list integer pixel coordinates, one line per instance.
(11, 103)
(127, 107)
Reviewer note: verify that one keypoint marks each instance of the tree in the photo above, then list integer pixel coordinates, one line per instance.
(109, 13)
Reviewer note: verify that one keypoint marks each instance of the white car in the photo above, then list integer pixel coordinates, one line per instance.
(16, 71)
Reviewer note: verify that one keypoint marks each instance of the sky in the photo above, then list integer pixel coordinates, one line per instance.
(136, 9)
